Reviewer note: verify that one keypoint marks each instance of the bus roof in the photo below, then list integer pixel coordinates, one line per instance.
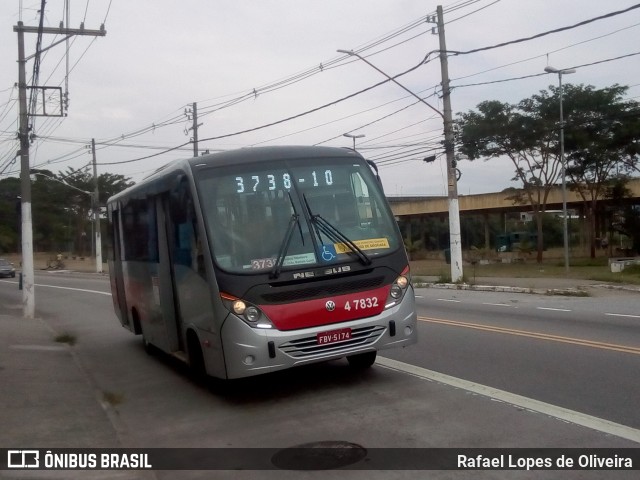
(254, 154)
(235, 157)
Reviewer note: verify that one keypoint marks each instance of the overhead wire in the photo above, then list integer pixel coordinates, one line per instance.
(249, 95)
(280, 84)
(547, 53)
(620, 57)
(543, 34)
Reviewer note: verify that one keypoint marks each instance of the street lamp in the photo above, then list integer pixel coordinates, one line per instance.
(455, 246)
(565, 232)
(349, 135)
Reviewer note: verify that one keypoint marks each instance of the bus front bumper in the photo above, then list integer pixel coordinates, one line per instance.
(251, 351)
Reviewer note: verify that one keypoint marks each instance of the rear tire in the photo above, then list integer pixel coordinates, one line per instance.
(196, 358)
(148, 348)
(362, 361)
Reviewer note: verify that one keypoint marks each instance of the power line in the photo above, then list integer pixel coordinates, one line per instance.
(547, 53)
(144, 158)
(549, 32)
(544, 73)
(313, 110)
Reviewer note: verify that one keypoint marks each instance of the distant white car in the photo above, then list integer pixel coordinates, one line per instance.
(6, 269)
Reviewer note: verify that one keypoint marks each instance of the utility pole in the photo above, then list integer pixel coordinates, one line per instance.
(27, 274)
(195, 129)
(455, 244)
(454, 210)
(194, 116)
(96, 209)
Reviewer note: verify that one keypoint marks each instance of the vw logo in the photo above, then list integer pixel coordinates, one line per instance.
(331, 306)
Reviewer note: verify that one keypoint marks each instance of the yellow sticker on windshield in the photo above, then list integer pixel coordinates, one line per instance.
(369, 244)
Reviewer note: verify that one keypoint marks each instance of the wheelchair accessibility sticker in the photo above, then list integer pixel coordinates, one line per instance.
(328, 252)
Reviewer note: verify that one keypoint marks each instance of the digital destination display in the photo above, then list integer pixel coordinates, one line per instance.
(283, 180)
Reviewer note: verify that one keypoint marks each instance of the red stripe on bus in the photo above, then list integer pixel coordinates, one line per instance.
(313, 313)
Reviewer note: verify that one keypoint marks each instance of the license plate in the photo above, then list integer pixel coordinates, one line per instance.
(333, 336)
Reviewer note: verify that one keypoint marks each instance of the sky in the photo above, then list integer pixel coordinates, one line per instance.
(270, 69)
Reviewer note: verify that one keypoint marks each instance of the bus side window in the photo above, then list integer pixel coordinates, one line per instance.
(187, 249)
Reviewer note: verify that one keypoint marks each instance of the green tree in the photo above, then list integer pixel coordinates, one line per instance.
(601, 140)
(61, 207)
(602, 135)
(82, 204)
(624, 216)
(519, 132)
(9, 214)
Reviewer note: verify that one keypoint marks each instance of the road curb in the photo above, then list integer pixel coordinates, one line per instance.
(579, 291)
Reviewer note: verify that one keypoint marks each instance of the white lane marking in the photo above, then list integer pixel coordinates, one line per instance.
(63, 288)
(595, 423)
(498, 304)
(447, 300)
(75, 289)
(622, 315)
(553, 309)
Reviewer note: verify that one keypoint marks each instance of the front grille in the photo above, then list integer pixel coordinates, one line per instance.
(307, 347)
(338, 288)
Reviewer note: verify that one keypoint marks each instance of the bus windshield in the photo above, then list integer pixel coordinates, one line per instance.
(306, 213)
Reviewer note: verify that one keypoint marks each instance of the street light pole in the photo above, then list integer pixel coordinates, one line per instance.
(455, 247)
(565, 230)
(349, 135)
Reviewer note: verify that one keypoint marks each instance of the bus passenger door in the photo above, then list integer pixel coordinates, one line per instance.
(115, 266)
(190, 286)
(165, 276)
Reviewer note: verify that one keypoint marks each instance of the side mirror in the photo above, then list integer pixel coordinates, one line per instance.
(374, 167)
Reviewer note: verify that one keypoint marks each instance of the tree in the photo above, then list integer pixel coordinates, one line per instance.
(61, 207)
(82, 204)
(624, 216)
(519, 132)
(601, 140)
(602, 135)
(9, 214)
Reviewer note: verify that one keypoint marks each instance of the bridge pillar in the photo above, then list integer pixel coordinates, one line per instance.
(487, 233)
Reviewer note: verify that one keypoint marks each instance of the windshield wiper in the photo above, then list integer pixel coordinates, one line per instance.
(286, 241)
(334, 234)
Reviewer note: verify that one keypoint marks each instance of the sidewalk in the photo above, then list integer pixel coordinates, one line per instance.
(47, 399)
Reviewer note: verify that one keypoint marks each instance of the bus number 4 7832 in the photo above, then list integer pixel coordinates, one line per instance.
(361, 303)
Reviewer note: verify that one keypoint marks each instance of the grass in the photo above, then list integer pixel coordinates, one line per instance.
(553, 267)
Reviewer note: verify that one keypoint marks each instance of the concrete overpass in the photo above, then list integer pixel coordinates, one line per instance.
(486, 203)
(501, 203)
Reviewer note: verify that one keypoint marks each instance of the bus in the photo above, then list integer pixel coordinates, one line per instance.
(256, 260)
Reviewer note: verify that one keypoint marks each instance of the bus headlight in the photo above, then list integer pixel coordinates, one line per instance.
(396, 292)
(251, 314)
(398, 288)
(239, 307)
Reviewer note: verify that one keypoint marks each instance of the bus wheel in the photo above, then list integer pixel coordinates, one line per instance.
(362, 360)
(148, 348)
(196, 358)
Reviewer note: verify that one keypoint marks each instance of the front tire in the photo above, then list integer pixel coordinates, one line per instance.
(362, 361)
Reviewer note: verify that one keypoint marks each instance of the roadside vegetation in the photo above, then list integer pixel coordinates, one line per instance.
(433, 265)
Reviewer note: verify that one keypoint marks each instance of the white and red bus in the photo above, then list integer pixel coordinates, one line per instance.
(256, 260)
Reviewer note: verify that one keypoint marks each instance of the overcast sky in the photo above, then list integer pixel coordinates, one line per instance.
(248, 64)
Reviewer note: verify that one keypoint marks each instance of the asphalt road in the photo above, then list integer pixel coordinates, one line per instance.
(581, 353)
(152, 402)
